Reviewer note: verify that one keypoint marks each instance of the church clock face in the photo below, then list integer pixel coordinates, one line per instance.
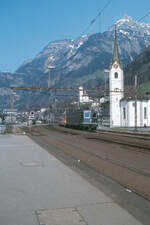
(115, 66)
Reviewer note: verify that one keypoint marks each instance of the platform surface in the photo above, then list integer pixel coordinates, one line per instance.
(36, 188)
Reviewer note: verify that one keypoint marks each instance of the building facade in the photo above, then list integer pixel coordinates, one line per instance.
(83, 96)
(116, 87)
(131, 117)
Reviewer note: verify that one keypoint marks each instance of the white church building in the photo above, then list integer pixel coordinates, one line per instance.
(83, 96)
(125, 111)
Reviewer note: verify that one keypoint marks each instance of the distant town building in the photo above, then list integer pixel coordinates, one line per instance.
(10, 111)
(10, 115)
(83, 96)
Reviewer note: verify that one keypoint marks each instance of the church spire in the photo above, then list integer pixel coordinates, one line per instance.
(116, 57)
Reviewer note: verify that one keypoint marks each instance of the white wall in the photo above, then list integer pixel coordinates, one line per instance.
(115, 109)
(116, 87)
(129, 106)
(148, 106)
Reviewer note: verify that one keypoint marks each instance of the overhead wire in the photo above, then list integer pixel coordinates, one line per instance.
(143, 17)
(92, 22)
(99, 14)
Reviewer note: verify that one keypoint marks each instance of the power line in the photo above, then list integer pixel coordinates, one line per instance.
(98, 15)
(92, 22)
(143, 17)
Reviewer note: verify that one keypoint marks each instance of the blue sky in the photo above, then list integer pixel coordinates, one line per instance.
(27, 26)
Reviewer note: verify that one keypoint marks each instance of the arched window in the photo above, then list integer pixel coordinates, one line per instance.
(116, 75)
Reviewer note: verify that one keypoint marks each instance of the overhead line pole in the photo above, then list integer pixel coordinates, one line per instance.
(50, 98)
(135, 127)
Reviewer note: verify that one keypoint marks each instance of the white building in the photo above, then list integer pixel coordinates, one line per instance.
(116, 87)
(131, 117)
(125, 111)
(83, 96)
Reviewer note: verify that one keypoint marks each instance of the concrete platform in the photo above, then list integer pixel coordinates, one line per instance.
(36, 189)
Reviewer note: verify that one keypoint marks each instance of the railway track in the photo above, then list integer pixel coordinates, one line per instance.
(96, 150)
(140, 142)
(131, 135)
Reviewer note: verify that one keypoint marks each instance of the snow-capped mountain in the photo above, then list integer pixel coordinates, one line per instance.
(83, 60)
(127, 23)
(135, 34)
(63, 50)
(75, 59)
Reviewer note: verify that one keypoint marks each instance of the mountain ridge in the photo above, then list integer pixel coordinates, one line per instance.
(140, 67)
(76, 61)
(86, 55)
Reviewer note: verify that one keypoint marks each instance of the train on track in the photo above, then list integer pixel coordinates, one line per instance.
(80, 119)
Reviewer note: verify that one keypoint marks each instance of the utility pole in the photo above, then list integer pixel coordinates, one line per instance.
(135, 127)
(49, 67)
(106, 72)
(11, 98)
(11, 105)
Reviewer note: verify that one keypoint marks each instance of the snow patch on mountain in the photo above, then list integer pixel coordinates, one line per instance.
(89, 53)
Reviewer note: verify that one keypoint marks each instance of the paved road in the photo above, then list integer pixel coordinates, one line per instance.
(36, 189)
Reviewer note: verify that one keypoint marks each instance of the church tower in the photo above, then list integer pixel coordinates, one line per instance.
(116, 86)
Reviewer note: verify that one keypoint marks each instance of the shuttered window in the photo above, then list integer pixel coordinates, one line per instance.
(145, 112)
(124, 113)
(116, 75)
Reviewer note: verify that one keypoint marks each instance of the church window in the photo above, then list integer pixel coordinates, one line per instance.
(124, 113)
(116, 75)
(145, 113)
